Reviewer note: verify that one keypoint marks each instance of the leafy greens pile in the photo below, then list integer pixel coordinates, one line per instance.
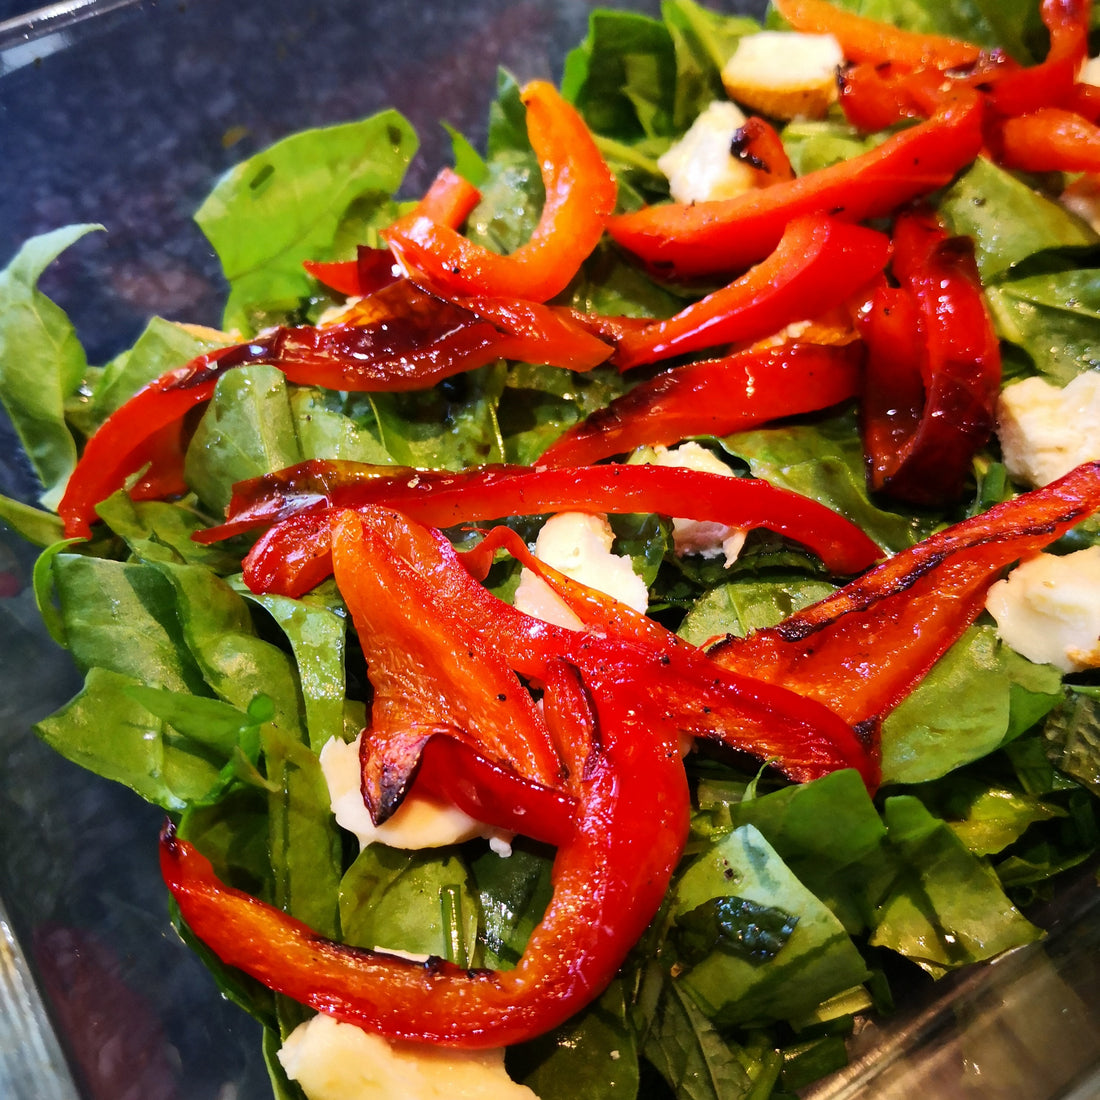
(213, 703)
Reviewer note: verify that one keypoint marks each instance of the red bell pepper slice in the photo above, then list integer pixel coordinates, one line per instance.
(425, 668)
(921, 430)
(1050, 139)
(401, 338)
(449, 201)
(759, 145)
(863, 39)
(708, 238)
(714, 397)
(862, 649)
(818, 263)
(609, 880)
(293, 556)
(580, 195)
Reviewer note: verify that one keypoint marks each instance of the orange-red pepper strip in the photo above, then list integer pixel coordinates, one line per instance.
(580, 195)
(758, 144)
(710, 238)
(1050, 139)
(449, 201)
(863, 39)
(714, 397)
(861, 650)
(818, 263)
(609, 880)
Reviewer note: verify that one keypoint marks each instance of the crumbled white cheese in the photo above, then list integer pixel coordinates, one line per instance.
(784, 74)
(691, 536)
(1048, 609)
(1090, 72)
(417, 823)
(578, 544)
(700, 167)
(1046, 431)
(331, 1060)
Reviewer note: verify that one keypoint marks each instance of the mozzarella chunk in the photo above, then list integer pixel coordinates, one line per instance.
(784, 74)
(417, 823)
(579, 545)
(331, 1060)
(700, 166)
(1090, 72)
(1046, 431)
(1048, 609)
(691, 536)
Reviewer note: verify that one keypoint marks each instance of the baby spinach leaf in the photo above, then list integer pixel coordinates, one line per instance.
(41, 360)
(285, 205)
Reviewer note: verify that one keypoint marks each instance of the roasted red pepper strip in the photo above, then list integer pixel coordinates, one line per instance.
(714, 397)
(609, 880)
(442, 499)
(863, 39)
(400, 338)
(580, 195)
(862, 649)
(759, 145)
(430, 668)
(710, 238)
(818, 263)
(922, 453)
(449, 201)
(1050, 139)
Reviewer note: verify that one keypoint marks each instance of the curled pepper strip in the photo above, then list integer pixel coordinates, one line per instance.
(401, 338)
(709, 238)
(449, 201)
(1050, 139)
(933, 367)
(862, 649)
(818, 263)
(863, 39)
(714, 397)
(609, 878)
(580, 195)
(294, 556)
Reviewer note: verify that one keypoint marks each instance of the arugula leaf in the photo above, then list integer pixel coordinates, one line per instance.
(286, 204)
(37, 527)
(41, 360)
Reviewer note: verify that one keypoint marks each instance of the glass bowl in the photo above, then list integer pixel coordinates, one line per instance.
(124, 112)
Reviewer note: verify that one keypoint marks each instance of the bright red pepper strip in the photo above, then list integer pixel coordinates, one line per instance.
(430, 669)
(862, 649)
(818, 263)
(709, 238)
(609, 880)
(400, 338)
(449, 201)
(580, 195)
(443, 499)
(921, 450)
(863, 39)
(1050, 140)
(714, 397)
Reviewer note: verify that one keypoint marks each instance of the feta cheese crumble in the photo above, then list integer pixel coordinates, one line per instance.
(700, 167)
(331, 1060)
(1046, 431)
(578, 544)
(1048, 609)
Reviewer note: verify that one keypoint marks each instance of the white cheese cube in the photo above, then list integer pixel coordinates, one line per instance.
(1048, 609)
(417, 823)
(578, 544)
(1090, 72)
(784, 74)
(331, 1060)
(1046, 431)
(700, 166)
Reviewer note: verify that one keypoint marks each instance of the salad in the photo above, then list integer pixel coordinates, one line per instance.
(693, 832)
